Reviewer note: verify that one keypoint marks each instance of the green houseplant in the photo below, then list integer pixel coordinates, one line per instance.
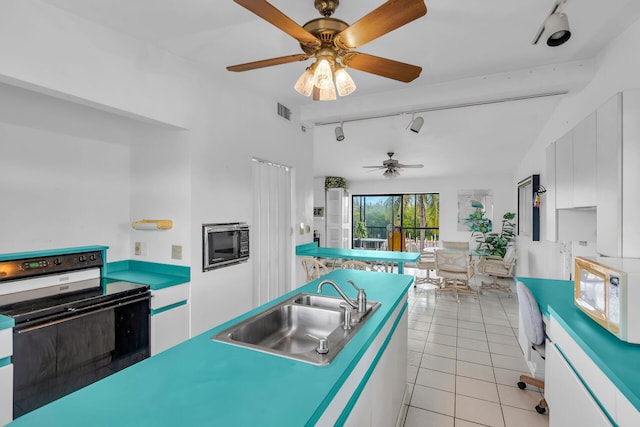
(360, 232)
(496, 244)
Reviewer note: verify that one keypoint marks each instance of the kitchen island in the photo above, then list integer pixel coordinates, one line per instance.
(204, 382)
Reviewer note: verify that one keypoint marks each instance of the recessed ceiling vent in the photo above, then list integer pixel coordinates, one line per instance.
(284, 112)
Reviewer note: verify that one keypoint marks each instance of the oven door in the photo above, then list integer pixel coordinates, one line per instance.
(58, 356)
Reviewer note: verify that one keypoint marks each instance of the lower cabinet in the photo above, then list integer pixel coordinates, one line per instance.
(6, 376)
(373, 393)
(381, 400)
(570, 403)
(169, 317)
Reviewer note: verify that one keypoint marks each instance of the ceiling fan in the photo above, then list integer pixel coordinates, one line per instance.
(332, 42)
(391, 167)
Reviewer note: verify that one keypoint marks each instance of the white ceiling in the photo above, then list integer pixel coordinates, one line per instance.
(470, 51)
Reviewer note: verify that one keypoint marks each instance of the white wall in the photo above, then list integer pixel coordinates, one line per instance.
(504, 196)
(77, 173)
(617, 68)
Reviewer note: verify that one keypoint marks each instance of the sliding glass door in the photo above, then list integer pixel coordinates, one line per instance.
(395, 221)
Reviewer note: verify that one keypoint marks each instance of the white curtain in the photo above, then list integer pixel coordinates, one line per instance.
(271, 231)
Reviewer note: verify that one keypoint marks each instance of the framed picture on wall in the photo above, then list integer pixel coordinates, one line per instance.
(529, 207)
(318, 212)
(470, 201)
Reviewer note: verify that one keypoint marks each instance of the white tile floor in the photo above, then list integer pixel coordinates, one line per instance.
(464, 362)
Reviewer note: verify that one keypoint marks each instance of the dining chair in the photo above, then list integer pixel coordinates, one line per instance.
(353, 264)
(456, 270)
(498, 268)
(426, 262)
(313, 268)
(455, 245)
(533, 327)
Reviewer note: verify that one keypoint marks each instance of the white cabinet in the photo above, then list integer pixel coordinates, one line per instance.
(575, 160)
(564, 171)
(375, 397)
(570, 403)
(381, 399)
(549, 223)
(584, 162)
(169, 317)
(338, 216)
(618, 176)
(6, 376)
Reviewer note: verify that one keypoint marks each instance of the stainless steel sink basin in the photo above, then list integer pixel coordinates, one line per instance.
(329, 302)
(285, 329)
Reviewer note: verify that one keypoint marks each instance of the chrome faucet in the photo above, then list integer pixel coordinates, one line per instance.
(361, 304)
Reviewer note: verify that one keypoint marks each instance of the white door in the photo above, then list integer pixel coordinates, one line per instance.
(271, 231)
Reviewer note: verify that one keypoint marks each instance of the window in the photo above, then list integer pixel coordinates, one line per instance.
(388, 218)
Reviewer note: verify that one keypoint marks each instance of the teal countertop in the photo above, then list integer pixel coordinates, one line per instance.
(207, 383)
(617, 359)
(312, 249)
(157, 276)
(6, 322)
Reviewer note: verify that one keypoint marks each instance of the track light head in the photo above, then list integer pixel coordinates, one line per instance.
(339, 133)
(416, 124)
(557, 29)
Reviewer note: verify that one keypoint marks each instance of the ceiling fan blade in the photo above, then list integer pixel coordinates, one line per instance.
(269, 62)
(374, 167)
(391, 15)
(381, 66)
(271, 14)
(409, 166)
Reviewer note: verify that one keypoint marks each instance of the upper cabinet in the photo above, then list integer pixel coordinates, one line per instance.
(618, 153)
(576, 164)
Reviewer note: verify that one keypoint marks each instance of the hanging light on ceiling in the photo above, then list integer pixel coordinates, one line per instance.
(318, 79)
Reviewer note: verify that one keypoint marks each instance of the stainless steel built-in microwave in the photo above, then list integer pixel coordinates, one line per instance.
(224, 244)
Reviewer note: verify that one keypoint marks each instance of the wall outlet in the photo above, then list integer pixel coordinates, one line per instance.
(137, 249)
(176, 252)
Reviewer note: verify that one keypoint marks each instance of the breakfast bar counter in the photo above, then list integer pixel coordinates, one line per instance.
(203, 382)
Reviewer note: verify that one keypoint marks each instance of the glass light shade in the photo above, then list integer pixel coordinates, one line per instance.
(344, 82)
(323, 77)
(304, 85)
(328, 94)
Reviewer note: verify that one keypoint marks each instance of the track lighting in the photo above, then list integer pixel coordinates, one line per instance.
(555, 27)
(416, 124)
(339, 133)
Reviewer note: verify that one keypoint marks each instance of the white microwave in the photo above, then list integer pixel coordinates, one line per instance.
(608, 291)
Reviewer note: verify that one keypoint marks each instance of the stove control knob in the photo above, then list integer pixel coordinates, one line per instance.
(83, 258)
(57, 261)
(92, 257)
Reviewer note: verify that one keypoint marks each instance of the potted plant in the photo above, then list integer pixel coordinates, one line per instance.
(360, 232)
(496, 244)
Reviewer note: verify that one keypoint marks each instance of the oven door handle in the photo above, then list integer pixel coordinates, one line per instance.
(88, 313)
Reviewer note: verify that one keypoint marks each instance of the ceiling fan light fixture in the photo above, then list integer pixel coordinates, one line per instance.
(390, 173)
(323, 76)
(344, 82)
(328, 94)
(304, 85)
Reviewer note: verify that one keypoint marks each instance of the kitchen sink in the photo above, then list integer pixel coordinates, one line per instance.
(294, 327)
